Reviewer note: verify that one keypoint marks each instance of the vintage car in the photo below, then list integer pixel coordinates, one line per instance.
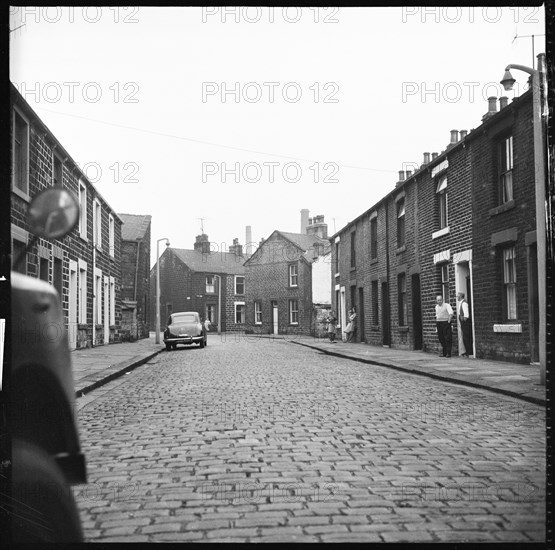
(45, 450)
(186, 328)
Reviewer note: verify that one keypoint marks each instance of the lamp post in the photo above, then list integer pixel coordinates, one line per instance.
(157, 341)
(539, 88)
(219, 303)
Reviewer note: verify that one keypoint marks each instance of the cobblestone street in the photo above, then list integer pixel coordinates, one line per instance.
(263, 440)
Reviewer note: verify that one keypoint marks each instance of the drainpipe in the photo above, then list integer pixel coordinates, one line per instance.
(95, 307)
(135, 287)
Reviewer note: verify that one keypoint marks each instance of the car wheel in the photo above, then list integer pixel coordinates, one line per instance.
(168, 347)
(43, 506)
(201, 343)
(174, 346)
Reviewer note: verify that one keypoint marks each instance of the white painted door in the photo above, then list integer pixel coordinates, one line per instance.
(342, 313)
(275, 317)
(72, 310)
(106, 310)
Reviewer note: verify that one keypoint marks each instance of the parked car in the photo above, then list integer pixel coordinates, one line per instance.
(184, 327)
(45, 450)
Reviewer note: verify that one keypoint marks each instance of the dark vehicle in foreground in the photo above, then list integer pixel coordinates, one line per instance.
(184, 328)
(46, 453)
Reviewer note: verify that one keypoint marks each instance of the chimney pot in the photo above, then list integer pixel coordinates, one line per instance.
(454, 136)
(304, 219)
(434, 156)
(401, 175)
(463, 134)
(426, 158)
(408, 174)
(492, 104)
(503, 102)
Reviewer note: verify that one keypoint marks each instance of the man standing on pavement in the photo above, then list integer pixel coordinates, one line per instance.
(444, 313)
(463, 317)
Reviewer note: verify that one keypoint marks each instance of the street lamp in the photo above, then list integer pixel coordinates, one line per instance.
(539, 88)
(219, 303)
(158, 287)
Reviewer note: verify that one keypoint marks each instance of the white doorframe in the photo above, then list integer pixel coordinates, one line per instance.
(275, 318)
(72, 306)
(461, 272)
(342, 313)
(106, 309)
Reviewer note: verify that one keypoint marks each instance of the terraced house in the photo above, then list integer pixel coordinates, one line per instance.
(287, 277)
(205, 280)
(464, 221)
(84, 266)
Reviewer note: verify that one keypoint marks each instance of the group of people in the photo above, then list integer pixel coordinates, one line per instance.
(444, 315)
(350, 329)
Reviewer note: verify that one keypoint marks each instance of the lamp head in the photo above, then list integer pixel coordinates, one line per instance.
(167, 242)
(508, 81)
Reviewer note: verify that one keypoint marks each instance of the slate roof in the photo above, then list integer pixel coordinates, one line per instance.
(214, 262)
(134, 226)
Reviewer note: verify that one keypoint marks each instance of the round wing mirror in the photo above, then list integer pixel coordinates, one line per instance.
(53, 213)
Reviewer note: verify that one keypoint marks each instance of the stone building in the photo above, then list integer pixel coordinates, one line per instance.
(135, 276)
(84, 266)
(204, 280)
(280, 281)
(463, 221)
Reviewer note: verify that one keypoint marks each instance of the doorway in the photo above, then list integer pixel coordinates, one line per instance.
(416, 312)
(106, 310)
(275, 317)
(386, 337)
(72, 309)
(463, 283)
(361, 314)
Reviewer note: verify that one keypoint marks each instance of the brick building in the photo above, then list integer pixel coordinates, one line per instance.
(203, 280)
(135, 276)
(464, 221)
(84, 266)
(280, 281)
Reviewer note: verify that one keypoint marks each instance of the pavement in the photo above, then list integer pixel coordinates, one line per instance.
(94, 367)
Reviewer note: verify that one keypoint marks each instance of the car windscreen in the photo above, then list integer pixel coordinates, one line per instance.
(185, 318)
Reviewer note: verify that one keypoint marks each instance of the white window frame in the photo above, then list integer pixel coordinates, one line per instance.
(97, 224)
(111, 235)
(97, 310)
(23, 193)
(509, 283)
(293, 275)
(22, 236)
(257, 313)
(506, 190)
(293, 312)
(82, 293)
(235, 304)
(210, 287)
(236, 277)
(112, 301)
(83, 210)
(441, 191)
(445, 281)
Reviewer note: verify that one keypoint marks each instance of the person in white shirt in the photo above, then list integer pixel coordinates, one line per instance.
(444, 313)
(464, 326)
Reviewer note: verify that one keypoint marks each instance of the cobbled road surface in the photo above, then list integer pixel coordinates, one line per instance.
(264, 440)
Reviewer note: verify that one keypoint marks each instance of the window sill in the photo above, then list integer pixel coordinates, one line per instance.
(373, 261)
(353, 268)
(508, 327)
(509, 205)
(401, 249)
(403, 329)
(258, 324)
(336, 275)
(440, 233)
(375, 328)
(21, 194)
(83, 238)
(293, 324)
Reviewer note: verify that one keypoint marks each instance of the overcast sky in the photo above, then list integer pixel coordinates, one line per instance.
(323, 106)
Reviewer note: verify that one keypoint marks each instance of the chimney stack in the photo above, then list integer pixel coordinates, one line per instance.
(454, 137)
(408, 174)
(492, 107)
(248, 242)
(202, 243)
(318, 227)
(401, 175)
(434, 156)
(503, 102)
(304, 220)
(236, 248)
(463, 134)
(426, 158)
